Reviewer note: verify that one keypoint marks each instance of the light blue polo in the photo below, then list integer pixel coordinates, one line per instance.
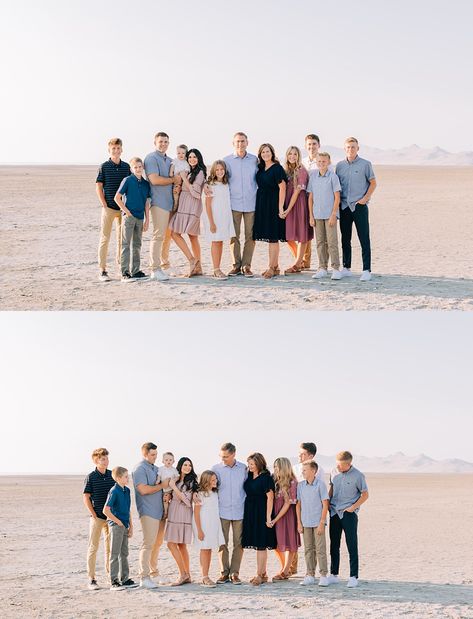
(231, 496)
(355, 177)
(311, 497)
(346, 490)
(161, 195)
(323, 190)
(242, 181)
(147, 504)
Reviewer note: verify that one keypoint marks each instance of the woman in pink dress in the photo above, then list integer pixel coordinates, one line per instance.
(296, 213)
(186, 220)
(285, 521)
(179, 523)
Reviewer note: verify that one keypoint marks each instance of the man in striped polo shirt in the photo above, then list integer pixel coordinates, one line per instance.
(109, 177)
(96, 488)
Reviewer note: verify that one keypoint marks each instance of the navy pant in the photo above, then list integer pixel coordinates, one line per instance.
(359, 217)
(348, 524)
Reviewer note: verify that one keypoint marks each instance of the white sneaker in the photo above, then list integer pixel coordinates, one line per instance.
(346, 272)
(147, 583)
(159, 276)
(320, 273)
(103, 277)
(93, 586)
(352, 582)
(308, 580)
(332, 579)
(336, 274)
(365, 276)
(323, 581)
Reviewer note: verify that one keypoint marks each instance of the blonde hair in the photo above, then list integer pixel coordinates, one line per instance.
(344, 456)
(284, 476)
(205, 482)
(293, 168)
(99, 453)
(136, 160)
(324, 155)
(115, 142)
(351, 139)
(118, 472)
(212, 179)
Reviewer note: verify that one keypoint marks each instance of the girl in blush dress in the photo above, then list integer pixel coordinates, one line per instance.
(285, 521)
(218, 218)
(258, 533)
(208, 534)
(186, 220)
(179, 524)
(298, 229)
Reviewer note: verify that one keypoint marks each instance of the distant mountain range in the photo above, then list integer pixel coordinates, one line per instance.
(410, 155)
(400, 463)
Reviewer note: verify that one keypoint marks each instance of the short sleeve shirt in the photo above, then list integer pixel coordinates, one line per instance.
(311, 497)
(347, 488)
(111, 174)
(355, 177)
(323, 190)
(161, 195)
(148, 504)
(136, 192)
(119, 501)
(98, 485)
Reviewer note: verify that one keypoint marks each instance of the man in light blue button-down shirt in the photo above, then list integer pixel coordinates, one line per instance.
(231, 500)
(242, 168)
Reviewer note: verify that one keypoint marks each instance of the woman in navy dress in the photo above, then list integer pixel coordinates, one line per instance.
(258, 533)
(269, 224)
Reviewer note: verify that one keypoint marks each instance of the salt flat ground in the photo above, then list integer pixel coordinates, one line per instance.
(421, 228)
(415, 546)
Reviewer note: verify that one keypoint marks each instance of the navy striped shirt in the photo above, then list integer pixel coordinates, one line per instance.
(98, 485)
(111, 175)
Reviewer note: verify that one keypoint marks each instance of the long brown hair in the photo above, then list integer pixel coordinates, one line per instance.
(260, 462)
(274, 159)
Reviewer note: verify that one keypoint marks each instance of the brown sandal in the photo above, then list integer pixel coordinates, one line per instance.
(198, 268)
(293, 269)
(269, 273)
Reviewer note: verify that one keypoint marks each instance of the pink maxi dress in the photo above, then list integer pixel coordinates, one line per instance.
(297, 222)
(287, 536)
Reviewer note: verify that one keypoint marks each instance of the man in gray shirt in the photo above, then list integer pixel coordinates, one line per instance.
(149, 503)
(348, 491)
(358, 183)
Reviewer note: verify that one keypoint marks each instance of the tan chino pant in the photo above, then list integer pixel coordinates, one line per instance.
(109, 215)
(149, 547)
(315, 549)
(97, 527)
(327, 244)
(249, 246)
(228, 568)
(160, 242)
(307, 257)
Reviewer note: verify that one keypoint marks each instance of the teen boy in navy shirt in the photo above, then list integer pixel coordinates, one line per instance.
(137, 193)
(117, 510)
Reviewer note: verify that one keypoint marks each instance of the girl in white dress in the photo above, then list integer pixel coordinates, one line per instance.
(217, 216)
(206, 523)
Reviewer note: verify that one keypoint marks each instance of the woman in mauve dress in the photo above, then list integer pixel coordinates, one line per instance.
(288, 539)
(298, 229)
(179, 523)
(186, 220)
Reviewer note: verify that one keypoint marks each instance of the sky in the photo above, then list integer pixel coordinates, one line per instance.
(76, 73)
(372, 383)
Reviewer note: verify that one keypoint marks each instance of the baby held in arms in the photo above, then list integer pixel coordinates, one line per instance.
(167, 471)
(179, 164)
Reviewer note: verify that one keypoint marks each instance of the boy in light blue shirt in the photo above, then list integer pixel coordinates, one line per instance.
(324, 201)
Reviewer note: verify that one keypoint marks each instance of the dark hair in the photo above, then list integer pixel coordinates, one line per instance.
(146, 447)
(310, 447)
(161, 134)
(190, 480)
(312, 136)
(196, 169)
(274, 159)
(230, 447)
(311, 464)
(260, 462)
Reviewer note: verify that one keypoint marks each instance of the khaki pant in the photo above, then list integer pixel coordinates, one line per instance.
(97, 527)
(307, 257)
(327, 244)
(149, 547)
(160, 241)
(227, 568)
(315, 549)
(235, 246)
(109, 215)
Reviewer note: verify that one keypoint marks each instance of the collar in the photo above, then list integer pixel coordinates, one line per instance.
(144, 461)
(113, 162)
(102, 474)
(160, 154)
(235, 156)
(351, 162)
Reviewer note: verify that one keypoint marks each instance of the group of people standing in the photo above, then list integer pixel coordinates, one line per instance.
(273, 203)
(262, 511)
